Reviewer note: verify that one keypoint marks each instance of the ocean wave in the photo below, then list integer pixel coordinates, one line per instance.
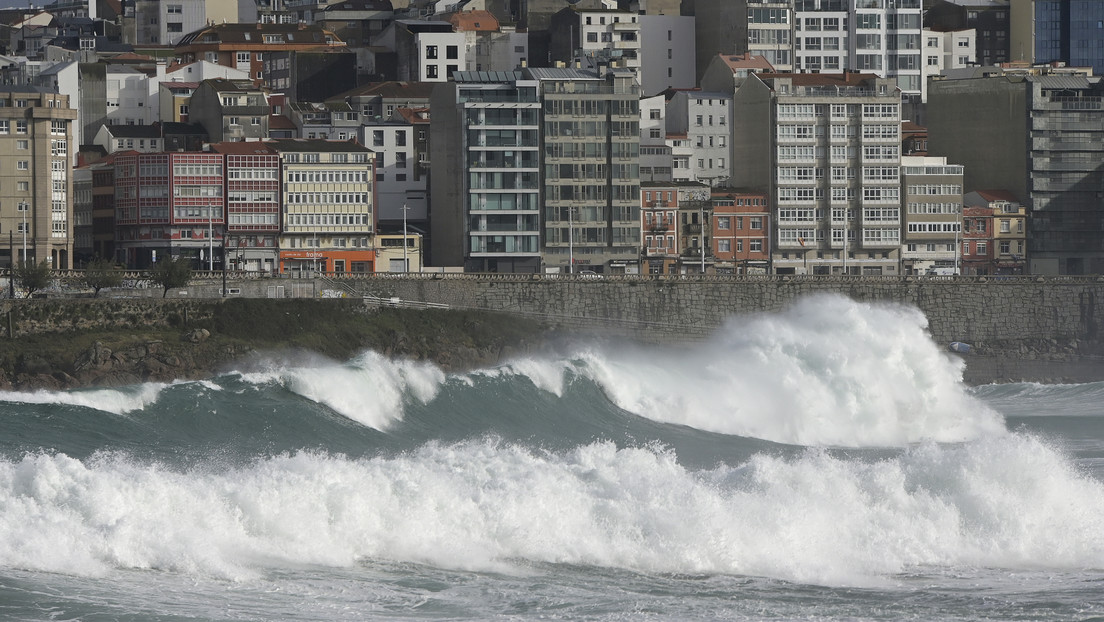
(1007, 502)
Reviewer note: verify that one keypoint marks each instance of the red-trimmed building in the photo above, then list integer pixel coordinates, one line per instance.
(741, 232)
(977, 239)
(252, 205)
(169, 204)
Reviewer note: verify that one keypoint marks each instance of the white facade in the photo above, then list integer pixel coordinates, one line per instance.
(655, 153)
(205, 70)
(770, 32)
(128, 97)
(164, 22)
(871, 36)
(397, 184)
(440, 54)
(705, 119)
(608, 38)
(667, 53)
(947, 50)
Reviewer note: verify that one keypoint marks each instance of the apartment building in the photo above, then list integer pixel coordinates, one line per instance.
(741, 231)
(954, 49)
(252, 205)
(770, 32)
(655, 154)
(36, 196)
(486, 203)
(165, 22)
(704, 117)
(931, 200)
(169, 204)
(591, 183)
(596, 39)
(659, 242)
(872, 36)
(230, 110)
(666, 53)
(988, 18)
(328, 206)
(830, 146)
(1066, 31)
(1009, 229)
(1039, 134)
(244, 46)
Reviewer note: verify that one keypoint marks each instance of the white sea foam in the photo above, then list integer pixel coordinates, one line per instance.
(369, 389)
(117, 401)
(1007, 502)
(827, 371)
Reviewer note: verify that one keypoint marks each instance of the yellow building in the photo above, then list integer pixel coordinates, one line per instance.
(328, 206)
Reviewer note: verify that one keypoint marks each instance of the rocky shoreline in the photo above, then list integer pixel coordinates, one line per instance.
(63, 347)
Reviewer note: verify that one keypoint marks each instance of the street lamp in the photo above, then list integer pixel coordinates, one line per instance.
(210, 237)
(406, 266)
(24, 206)
(570, 241)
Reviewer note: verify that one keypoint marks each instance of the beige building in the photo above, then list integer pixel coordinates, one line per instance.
(328, 204)
(931, 195)
(36, 190)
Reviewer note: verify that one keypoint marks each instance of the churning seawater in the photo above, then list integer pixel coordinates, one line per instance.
(821, 463)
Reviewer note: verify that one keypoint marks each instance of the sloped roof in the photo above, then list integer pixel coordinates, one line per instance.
(392, 89)
(823, 79)
(252, 147)
(480, 21)
(746, 62)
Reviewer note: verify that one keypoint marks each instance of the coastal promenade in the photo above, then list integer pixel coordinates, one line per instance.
(1001, 313)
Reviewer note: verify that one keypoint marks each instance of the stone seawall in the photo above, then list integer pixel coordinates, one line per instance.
(1010, 314)
(1020, 327)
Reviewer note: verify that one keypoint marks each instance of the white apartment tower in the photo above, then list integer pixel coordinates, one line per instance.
(873, 36)
(830, 144)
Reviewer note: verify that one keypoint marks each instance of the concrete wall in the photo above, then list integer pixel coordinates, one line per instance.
(1022, 316)
(1001, 314)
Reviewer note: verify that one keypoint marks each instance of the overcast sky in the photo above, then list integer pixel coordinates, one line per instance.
(11, 4)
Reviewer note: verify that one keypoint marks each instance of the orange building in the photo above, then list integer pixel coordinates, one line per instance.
(741, 232)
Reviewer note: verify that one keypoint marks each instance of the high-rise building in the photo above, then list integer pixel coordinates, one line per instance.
(1067, 31)
(591, 165)
(485, 186)
(36, 191)
(874, 36)
(536, 170)
(931, 198)
(1039, 135)
(830, 146)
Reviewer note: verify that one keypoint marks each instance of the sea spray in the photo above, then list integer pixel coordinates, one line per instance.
(827, 371)
(1009, 502)
(369, 389)
(117, 401)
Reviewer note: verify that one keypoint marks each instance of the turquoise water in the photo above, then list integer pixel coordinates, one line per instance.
(823, 463)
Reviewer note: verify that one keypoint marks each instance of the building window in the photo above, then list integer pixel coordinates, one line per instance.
(431, 71)
(431, 51)
(23, 165)
(22, 144)
(452, 52)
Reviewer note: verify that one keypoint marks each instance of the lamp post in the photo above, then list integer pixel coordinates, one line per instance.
(24, 206)
(570, 241)
(701, 217)
(406, 266)
(210, 238)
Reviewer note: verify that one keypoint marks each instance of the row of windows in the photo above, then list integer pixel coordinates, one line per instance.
(327, 198)
(328, 220)
(333, 177)
(922, 189)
